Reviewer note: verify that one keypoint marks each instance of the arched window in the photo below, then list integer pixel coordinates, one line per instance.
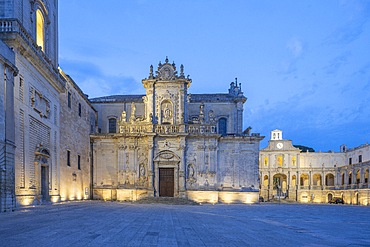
(40, 30)
(112, 125)
(222, 127)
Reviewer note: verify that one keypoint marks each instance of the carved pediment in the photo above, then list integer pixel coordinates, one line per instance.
(167, 155)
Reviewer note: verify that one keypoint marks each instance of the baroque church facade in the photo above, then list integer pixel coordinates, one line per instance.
(172, 143)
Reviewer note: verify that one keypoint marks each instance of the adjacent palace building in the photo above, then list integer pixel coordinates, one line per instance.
(298, 174)
(57, 145)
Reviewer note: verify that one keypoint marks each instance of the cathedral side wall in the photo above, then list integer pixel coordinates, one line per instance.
(238, 164)
(75, 129)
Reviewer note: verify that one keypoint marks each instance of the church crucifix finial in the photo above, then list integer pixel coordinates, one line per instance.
(166, 59)
(151, 72)
(182, 71)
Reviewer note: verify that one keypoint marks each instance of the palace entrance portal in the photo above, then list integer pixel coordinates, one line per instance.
(166, 182)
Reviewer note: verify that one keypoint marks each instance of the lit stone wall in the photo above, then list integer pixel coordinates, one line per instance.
(37, 124)
(75, 128)
(7, 131)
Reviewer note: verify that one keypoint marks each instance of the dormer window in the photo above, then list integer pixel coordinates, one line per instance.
(40, 30)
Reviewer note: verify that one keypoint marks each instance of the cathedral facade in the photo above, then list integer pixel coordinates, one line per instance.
(174, 144)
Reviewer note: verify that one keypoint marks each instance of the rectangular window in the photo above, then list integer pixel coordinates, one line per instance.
(68, 158)
(69, 100)
(350, 161)
(21, 89)
(79, 109)
(79, 162)
(359, 158)
(112, 125)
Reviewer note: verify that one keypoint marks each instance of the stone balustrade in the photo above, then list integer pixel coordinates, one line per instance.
(9, 26)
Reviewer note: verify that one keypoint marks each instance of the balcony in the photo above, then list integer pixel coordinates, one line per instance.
(201, 129)
(11, 28)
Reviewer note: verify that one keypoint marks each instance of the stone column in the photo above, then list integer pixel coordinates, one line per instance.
(239, 117)
(7, 134)
(182, 168)
(151, 186)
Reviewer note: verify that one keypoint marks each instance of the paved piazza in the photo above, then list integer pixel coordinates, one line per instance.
(95, 223)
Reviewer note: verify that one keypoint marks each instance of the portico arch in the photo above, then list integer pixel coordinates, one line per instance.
(329, 179)
(317, 179)
(304, 179)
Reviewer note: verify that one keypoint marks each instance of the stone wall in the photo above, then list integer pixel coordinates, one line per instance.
(7, 131)
(75, 130)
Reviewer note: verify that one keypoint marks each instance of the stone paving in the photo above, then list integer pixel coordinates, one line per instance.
(95, 223)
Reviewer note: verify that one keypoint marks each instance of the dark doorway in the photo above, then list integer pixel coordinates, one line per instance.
(330, 197)
(45, 183)
(166, 182)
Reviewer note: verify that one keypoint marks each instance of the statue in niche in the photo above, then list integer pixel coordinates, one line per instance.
(142, 170)
(166, 113)
(191, 174)
(201, 114)
(123, 116)
(133, 111)
(211, 117)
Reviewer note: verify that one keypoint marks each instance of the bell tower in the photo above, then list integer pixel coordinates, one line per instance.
(276, 135)
(166, 94)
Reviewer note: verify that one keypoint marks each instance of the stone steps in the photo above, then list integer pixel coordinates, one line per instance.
(166, 200)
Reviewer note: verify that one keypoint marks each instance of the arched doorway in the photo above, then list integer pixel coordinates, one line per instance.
(42, 165)
(280, 185)
(330, 197)
(357, 200)
(166, 174)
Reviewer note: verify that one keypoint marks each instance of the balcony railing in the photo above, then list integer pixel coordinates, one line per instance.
(201, 129)
(13, 26)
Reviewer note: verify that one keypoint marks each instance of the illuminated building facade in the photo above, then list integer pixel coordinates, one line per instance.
(287, 173)
(174, 144)
(38, 125)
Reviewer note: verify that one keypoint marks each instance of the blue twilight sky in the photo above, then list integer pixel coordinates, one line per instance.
(304, 65)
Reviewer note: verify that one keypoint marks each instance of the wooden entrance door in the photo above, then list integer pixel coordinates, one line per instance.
(45, 183)
(166, 182)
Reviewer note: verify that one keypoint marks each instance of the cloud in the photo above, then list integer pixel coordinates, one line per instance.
(336, 63)
(95, 83)
(357, 18)
(295, 46)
